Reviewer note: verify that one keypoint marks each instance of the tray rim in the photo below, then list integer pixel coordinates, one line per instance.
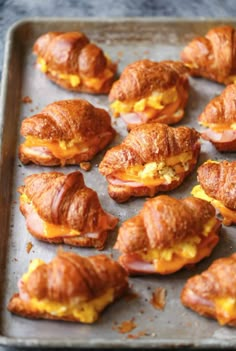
(99, 343)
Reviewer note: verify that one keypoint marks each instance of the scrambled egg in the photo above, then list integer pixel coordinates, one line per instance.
(51, 230)
(154, 169)
(86, 312)
(156, 172)
(186, 249)
(75, 79)
(156, 101)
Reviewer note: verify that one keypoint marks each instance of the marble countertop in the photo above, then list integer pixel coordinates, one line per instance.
(15, 10)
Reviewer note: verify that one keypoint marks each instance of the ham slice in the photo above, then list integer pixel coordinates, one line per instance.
(116, 181)
(222, 137)
(132, 118)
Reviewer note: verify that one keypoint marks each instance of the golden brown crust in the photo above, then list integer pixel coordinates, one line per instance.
(151, 142)
(65, 200)
(163, 222)
(218, 281)
(222, 108)
(212, 56)
(218, 181)
(141, 78)
(66, 278)
(72, 53)
(66, 120)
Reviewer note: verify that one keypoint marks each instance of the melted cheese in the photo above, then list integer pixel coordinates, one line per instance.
(228, 214)
(225, 309)
(219, 127)
(156, 101)
(85, 312)
(154, 173)
(60, 149)
(190, 250)
(75, 79)
(51, 230)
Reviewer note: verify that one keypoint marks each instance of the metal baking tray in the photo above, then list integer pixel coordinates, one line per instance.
(124, 40)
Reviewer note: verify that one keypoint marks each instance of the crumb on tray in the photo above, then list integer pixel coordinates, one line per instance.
(86, 166)
(125, 326)
(158, 299)
(29, 246)
(26, 100)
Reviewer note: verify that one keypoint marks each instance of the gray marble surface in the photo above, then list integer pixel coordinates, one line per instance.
(15, 10)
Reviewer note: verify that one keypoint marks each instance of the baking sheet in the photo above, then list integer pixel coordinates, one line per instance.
(124, 40)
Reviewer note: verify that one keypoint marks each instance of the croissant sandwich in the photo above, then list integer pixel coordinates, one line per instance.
(60, 208)
(151, 91)
(213, 56)
(213, 293)
(167, 235)
(65, 132)
(218, 186)
(153, 157)
(70, 287)
(219, 116)
(70, 60)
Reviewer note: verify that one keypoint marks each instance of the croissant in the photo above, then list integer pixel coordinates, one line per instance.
(151, 92)
(212, 293)
(220, 117)
(65, 132)
(213, 56)
(60, 208)
(153, 157)
(218, 186)
(70, 288)
(167, 235)
(70, 60)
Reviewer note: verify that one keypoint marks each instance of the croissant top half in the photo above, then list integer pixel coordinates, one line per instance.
(67, 120)
(163, 222)
(70, 52)
(141, 78)
(221, 109)
(70, 276)
(218, 179)
(148, 143)
(213, 55)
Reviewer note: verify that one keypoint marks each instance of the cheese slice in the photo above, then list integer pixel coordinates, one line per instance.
(85, 312)
(60, 149)
(225, 309)
(219, 127)
(228, 214)
(51, 230)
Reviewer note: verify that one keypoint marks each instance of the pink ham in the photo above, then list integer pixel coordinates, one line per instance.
(23, 294)
(115, 181)
(223, 137)
(135, 265)
(133, 118)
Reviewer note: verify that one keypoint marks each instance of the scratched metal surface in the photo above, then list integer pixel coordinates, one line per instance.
(124, 40)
